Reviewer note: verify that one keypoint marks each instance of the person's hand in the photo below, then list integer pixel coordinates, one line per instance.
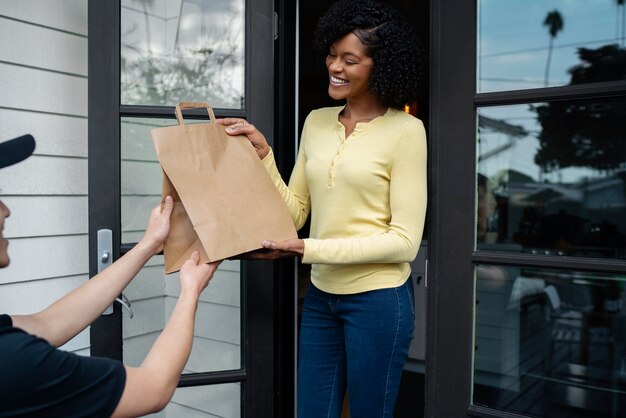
(288, 247)
(235, 126)
(195, 277)
(158, 226)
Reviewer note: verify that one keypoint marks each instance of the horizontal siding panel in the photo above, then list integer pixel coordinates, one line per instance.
(141, 178)
(135, 349)
(148, 283)
(136, 211)
(45, 257)
(215, 322)
(39, 175)
(68, 15)
(78, 343)
(209, 355)
(216, 400)
(37, 90)
(148, 317)
(136, 141)
(54, 134)
(31, 297)
(33, 216)
(86, 352)
(223, 289)
(35, 46)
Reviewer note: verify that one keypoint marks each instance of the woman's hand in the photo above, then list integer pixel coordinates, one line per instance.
(158, 226)
(195, 277)
(235, 126)
(290, 246)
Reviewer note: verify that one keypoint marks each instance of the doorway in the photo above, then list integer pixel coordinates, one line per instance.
(311, 93)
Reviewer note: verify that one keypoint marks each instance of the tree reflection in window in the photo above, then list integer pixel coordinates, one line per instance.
(192, 53)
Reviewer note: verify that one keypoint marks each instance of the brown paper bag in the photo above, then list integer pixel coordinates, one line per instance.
(225, 203)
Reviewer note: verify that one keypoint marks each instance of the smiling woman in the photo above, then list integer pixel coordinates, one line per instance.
(361, 175)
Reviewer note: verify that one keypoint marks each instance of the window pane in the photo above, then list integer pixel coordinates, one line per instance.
(550, 343)
(204, 401)
(551, 178)
(538, 43)
(182, 50)
(217, 341)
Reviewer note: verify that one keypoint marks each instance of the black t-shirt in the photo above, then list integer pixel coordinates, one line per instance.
(38, 380)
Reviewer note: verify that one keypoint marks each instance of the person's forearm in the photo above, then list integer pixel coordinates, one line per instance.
(69, 315)
(170, 352)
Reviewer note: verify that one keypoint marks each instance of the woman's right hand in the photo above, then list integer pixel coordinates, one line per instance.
(235, 126)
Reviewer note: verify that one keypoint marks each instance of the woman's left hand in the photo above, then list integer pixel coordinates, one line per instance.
(293, 246)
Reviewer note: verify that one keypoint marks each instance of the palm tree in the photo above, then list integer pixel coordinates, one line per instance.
(554, 23)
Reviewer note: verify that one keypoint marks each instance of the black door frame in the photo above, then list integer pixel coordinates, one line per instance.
(452, 170)
(262, 291)
(451, 198)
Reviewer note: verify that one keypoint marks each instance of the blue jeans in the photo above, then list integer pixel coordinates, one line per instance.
(356, 342)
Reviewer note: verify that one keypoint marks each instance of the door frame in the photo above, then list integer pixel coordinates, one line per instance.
(261, 281)
(451, 201)
(452, 184)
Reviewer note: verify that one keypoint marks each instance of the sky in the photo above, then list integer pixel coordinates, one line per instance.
(512, 54)
(513, 43)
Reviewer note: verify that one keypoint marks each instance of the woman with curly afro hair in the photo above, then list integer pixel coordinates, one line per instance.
(361, 174)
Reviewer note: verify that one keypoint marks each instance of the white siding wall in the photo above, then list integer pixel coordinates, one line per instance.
(43, 74)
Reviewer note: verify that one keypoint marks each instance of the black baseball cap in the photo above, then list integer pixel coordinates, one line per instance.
(16, 149)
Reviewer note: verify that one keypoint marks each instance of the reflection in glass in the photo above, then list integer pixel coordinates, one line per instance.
(537, 43)
(550, 343)
(205, 401)
(217, 341)
(182, 50)
(552, 178)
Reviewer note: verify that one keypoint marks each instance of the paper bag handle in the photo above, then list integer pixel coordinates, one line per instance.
(192, 105)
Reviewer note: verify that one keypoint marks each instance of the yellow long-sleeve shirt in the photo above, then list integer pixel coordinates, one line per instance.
(367, 197)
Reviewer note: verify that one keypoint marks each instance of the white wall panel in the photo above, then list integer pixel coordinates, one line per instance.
(136, 348)
(210, 355)
(33, 216)
(54, 134)
(47, 192)
(78, 343)
(136, 211)
(45, 176)
(141, 178)
(149, 283)
(45, 257)
(31, 297)
(27, 44)
(215, 322)
(217, 401)
(223, 288)
(149, 316)
(68, 15)
(136, 141)
(26, 88)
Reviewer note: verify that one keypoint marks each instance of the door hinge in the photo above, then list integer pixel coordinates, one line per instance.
(275, 25)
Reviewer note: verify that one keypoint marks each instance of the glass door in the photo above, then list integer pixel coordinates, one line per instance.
(145, 56)
(527, 266)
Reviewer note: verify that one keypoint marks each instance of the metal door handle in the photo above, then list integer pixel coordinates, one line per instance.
(123, 300)
(105, 259)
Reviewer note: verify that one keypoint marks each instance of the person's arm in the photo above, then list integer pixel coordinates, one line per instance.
(401, 241)
(69, 315)
(151, 386)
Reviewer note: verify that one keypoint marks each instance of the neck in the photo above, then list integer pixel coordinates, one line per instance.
(363, 109)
